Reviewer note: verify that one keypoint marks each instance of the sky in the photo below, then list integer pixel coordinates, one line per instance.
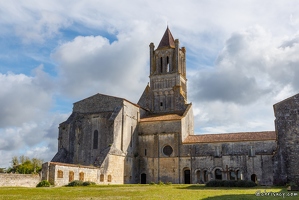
(242, 57)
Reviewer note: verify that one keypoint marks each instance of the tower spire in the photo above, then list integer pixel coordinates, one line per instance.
(167, 39)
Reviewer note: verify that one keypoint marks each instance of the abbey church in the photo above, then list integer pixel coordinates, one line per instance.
(109, 139)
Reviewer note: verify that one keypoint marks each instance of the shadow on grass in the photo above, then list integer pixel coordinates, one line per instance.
(258, 192)
(235, 196)
(203, 187)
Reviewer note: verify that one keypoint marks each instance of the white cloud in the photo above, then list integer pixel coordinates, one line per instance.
(35, 139)
(88, 65)
(22, 98)
(25, 122)
(253, 71)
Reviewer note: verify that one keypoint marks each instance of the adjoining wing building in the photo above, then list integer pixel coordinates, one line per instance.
(109, 139)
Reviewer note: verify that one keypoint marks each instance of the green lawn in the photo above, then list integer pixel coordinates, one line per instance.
(139, 192)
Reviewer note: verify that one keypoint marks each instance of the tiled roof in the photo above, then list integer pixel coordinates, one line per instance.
(161, 117)
(167, 39)
(72, 165)
(231, 137)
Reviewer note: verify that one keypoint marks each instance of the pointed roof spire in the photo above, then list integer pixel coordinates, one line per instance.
(167, 39)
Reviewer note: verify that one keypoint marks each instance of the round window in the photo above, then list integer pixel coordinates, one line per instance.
(167, 150)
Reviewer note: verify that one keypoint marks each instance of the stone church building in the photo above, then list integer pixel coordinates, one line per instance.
(109, 139)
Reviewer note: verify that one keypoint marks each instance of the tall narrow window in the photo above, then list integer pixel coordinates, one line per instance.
(161, 65)
(232, 175)
(205, 176)
(238, 174)
(102, 178)
(145, 152)
(71, 176)
(95, 139)
(218, 174)
(81, 176)
(131, 144)
(109, 178)
(167, 64)
(198, 176)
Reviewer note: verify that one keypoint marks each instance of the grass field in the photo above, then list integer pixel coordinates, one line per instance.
(141, 192)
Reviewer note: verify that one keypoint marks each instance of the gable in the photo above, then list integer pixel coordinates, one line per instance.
(97, 103)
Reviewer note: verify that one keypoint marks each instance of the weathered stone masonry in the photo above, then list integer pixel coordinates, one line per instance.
(286, 159)
(19, 180)
(112, 140)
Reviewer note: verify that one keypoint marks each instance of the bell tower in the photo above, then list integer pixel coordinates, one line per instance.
(168, 81)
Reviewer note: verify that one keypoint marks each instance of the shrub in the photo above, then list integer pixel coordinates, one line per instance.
(243, 183)
(291, 184)
(230, 183)
(168, 183)
(152, 183)
(214, 183)
(160, 183)
(75, 183)
(87, 183)
(43, 183)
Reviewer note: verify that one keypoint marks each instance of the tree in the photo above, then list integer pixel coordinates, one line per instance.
(25, 165)
(15, 161)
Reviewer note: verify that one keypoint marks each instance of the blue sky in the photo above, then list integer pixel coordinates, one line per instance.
(242, 57)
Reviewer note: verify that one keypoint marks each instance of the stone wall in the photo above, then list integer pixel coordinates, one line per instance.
(19, 180)
(111, 172)
(286, 159)
(154, 127)
(248, 158)
(187, 127)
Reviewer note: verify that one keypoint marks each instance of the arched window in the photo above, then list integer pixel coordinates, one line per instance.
(109, 178)
(218, 174)
(95, 139)
(102, 178)
(238, 175)
(71, 176)
(205, 176)
(232, 175)
(81, 176)
(60, 174)
(161, 65)
(198, 176)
